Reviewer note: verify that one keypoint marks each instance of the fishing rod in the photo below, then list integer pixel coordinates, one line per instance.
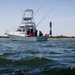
(44, 17)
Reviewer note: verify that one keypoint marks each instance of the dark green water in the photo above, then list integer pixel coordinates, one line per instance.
(53, 57)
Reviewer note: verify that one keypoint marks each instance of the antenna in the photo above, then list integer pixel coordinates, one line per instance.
(44, 17)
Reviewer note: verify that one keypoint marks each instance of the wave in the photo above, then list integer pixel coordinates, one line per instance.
(35, 66)
(6, 54)
(30, 62)
(49, 45)
(53, 52)
(4, 61)
(44, 71)
(58, 71)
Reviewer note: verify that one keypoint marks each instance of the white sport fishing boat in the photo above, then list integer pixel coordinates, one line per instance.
(27, 30)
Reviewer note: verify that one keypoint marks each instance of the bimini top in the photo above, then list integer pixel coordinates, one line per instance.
(28, 10)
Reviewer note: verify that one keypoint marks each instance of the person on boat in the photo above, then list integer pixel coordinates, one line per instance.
(36, 32)
(31, 32)
(28, 31)
(40, 33)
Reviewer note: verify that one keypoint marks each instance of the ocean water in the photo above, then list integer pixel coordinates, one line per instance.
(53, 57)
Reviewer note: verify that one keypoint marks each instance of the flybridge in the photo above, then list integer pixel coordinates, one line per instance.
(28, 10)
(28, 17)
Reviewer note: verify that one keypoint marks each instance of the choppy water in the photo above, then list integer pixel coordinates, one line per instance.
(53, 57)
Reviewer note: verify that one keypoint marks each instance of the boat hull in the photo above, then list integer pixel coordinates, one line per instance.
(27, 38)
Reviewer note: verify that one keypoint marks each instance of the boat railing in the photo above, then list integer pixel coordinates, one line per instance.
(15, 32)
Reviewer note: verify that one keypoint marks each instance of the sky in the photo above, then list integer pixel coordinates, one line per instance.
(62, 16)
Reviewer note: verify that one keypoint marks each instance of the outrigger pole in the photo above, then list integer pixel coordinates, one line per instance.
(37, 11)
(44, 17)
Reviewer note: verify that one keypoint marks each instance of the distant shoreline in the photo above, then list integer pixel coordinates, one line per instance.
(4, 37)
(62, 37)
(49, 37)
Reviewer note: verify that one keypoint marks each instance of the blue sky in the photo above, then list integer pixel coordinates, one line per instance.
(62, 16)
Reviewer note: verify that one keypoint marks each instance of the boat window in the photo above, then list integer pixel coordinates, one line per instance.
(21, 28)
